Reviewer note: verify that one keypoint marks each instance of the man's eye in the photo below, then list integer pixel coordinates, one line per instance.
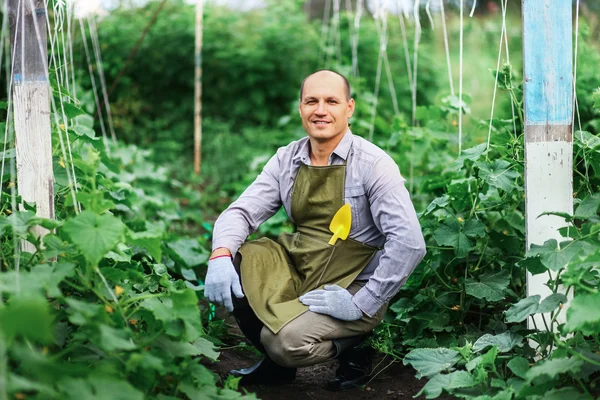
(311, 102)
(332, 102)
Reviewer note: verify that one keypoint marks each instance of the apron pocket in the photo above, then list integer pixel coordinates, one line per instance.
(311, 257)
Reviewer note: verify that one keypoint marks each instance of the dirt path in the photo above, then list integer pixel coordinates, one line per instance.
(395, 382)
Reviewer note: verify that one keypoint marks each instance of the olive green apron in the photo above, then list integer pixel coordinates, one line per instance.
(275, 273)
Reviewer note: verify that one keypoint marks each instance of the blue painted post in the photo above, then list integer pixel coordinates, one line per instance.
(548, 93)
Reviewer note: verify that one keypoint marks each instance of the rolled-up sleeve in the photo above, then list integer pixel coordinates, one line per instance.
(395, 217)
(257, 204)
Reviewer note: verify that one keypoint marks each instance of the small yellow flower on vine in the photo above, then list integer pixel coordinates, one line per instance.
(19, 396)
(505, 232)
(108, 309)
(460, 219)
(119, 290)
(133, 322)
(456, 307)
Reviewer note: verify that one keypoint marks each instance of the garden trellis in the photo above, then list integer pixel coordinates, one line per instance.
(548, 113)
(549, 132)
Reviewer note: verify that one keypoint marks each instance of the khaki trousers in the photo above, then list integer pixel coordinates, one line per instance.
(307, 340)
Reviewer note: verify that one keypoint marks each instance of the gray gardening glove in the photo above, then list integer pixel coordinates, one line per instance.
(332, 300)
(221, 280)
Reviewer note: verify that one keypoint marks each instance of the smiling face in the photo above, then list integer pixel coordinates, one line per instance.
(325, 107)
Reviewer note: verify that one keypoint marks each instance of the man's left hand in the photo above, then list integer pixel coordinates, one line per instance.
(332, 300)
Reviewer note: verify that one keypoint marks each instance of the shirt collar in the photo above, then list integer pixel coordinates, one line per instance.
(341, 150)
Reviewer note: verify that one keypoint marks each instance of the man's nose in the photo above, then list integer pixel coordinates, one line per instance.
(321, 110)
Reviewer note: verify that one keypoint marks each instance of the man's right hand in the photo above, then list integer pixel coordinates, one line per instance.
(221, 280)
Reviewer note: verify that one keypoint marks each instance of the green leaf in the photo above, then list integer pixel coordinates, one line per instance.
(555, 257)
(71, 110)
(189, 251)
(82, 130)
(199, 347)
(462, 192)
(28, 316)
(489, 358)
(551, 302)
(492, 286)
(504, 341)
(583, 314)
(553, 368)
(474, 228)
(439, 202)
(448, 382)
(94, 234)
(150, 241)
(519, 366)
(588, 207)
(94, 202)
(110, 388)
(114, 339)
(569, 393)
(80, 312)
(499, 174)
(524, 308)
(450, 233)
(429, 362)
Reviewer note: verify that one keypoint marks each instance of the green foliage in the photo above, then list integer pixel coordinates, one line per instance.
(473, 276)
(107, 306)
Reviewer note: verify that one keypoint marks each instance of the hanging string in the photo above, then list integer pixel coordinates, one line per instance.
(70, 27)
(94, 87)
(336, 31)
(100, 69)
(502, 34)
(9, 119)
(575, 101)
(460, 81)
(325, 32)
(473, 9)
(71, 178)
(448, 62)
(378, 76)
(504, 5)
(406, 50)
(415, 59)
(428, 12)
(62, 79)
(383, 38)
(355, 35)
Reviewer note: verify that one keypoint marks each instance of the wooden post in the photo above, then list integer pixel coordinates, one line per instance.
(548, 93)
(198, 94)
(31, 103)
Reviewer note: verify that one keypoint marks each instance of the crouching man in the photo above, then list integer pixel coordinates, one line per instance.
(302, 301)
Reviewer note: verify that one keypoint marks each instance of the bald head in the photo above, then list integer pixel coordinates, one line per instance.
(326, 73)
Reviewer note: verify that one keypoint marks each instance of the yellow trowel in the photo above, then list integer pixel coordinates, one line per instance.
(340, 224)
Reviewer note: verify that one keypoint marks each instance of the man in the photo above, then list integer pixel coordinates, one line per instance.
(303, 301)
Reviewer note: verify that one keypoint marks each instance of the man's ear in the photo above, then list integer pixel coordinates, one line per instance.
(351, 106)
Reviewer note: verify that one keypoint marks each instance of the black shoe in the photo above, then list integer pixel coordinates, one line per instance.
(355, 365)
(265, 372)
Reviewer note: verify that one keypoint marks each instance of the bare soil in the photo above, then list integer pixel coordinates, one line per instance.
(389, 382)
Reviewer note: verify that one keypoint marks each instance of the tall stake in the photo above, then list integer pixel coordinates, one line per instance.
(198, 95)
(31, 102)
(548, 81)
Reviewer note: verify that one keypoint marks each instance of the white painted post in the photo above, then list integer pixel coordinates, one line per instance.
(548, 91)
(198, 94)
(31, 102)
